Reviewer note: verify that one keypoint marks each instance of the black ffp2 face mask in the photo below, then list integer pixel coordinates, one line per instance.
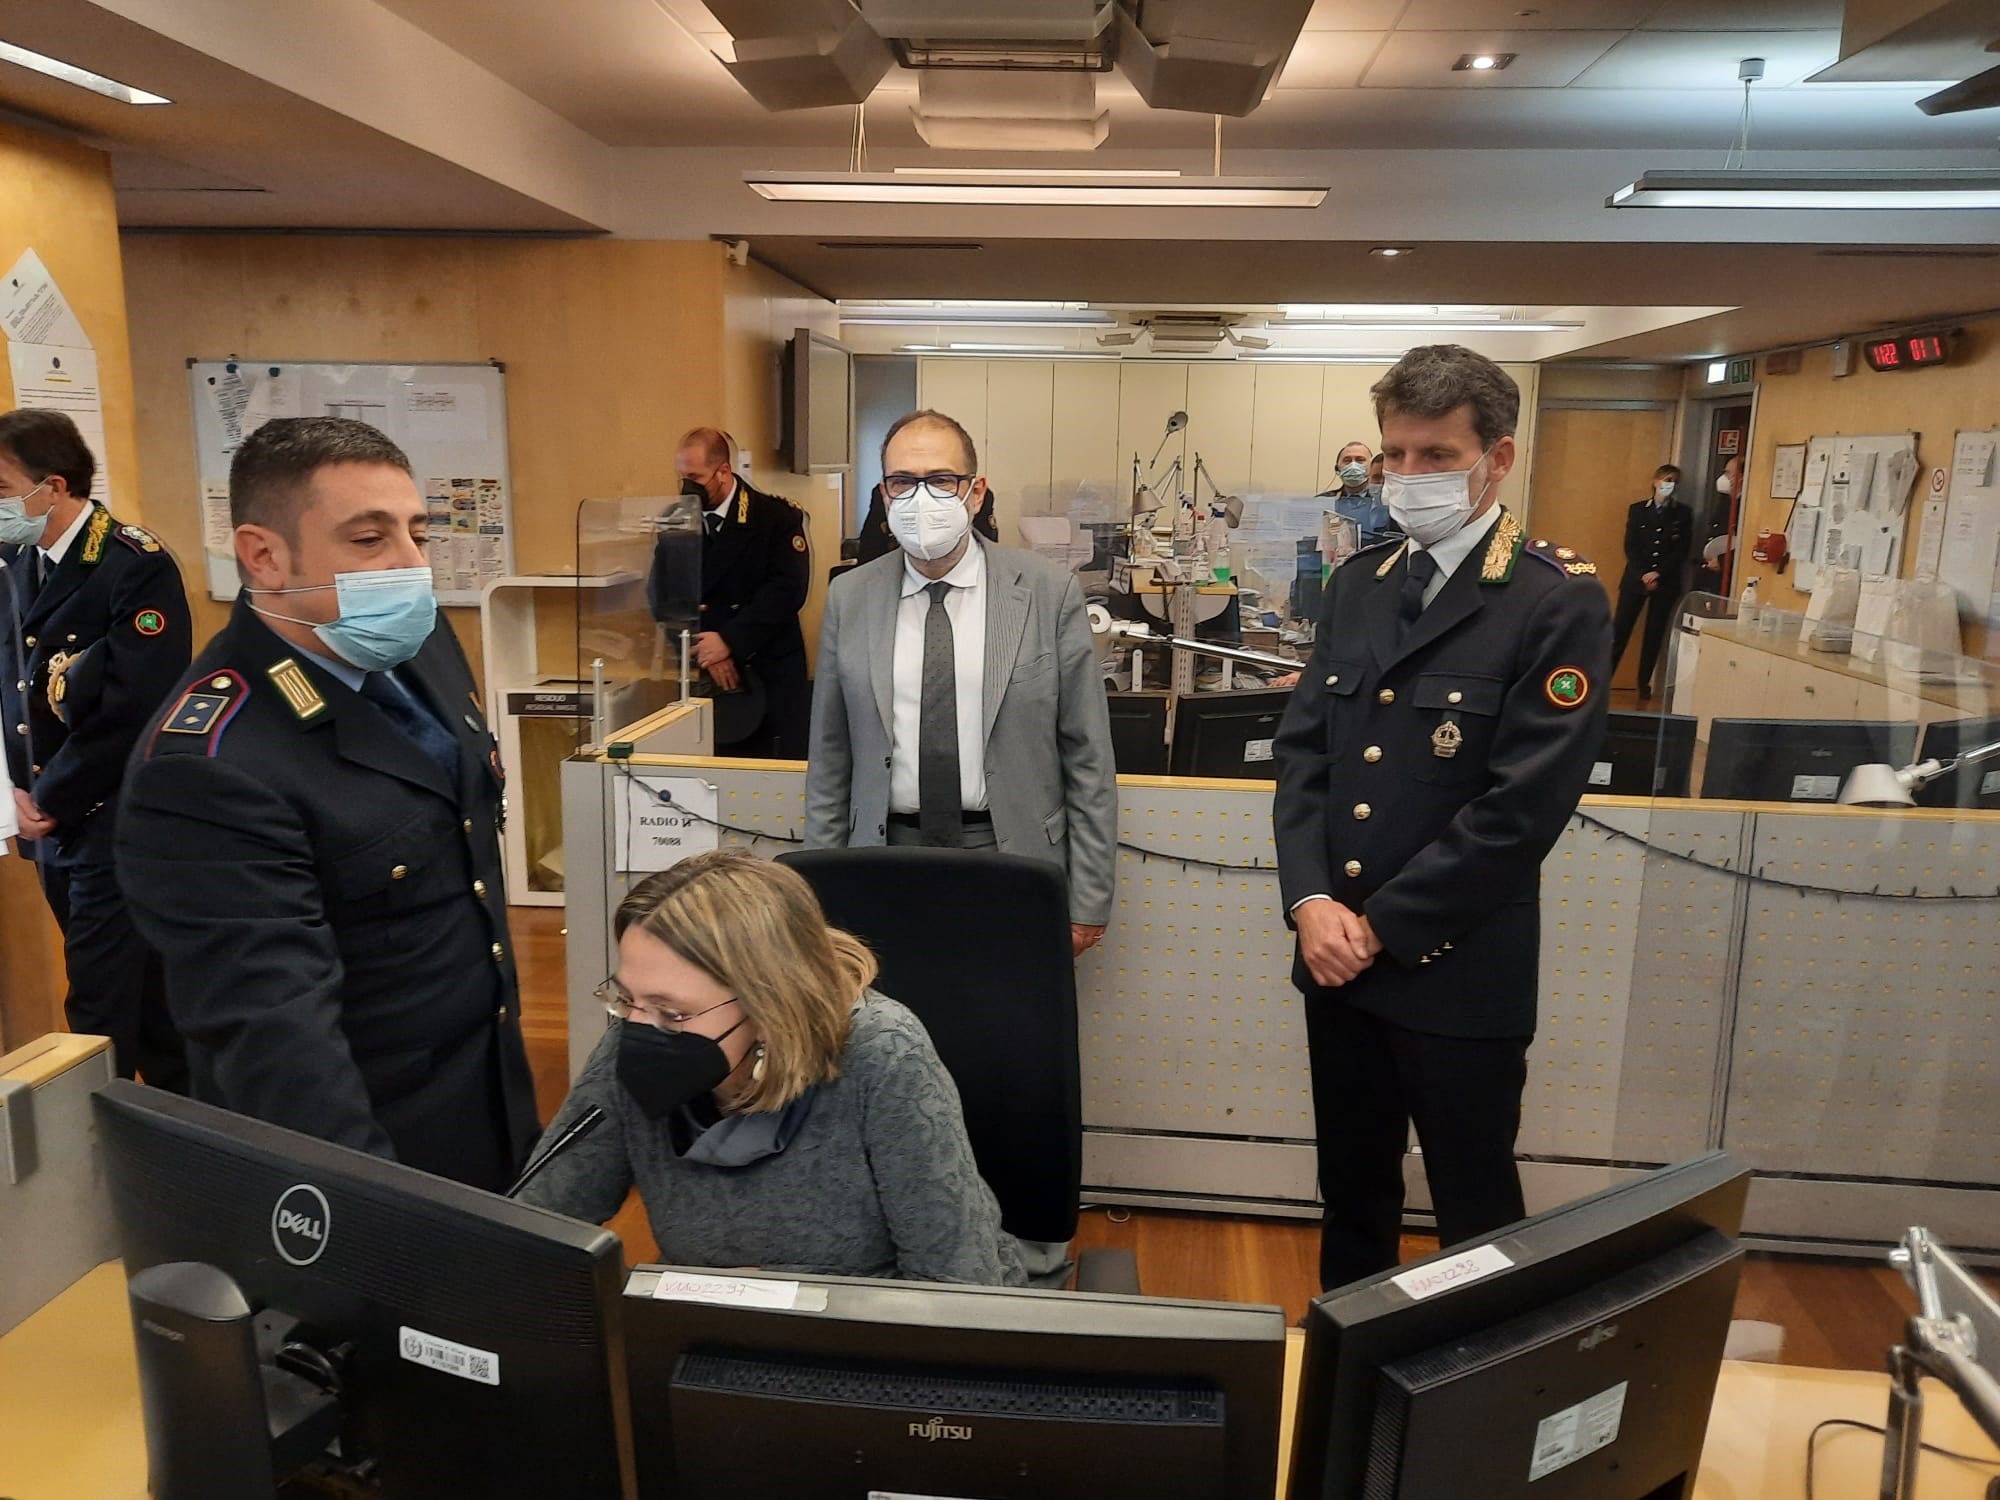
(663, 1070)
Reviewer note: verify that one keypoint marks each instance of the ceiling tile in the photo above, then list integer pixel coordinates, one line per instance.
(1708, 59)
(1330, 59)
(1747, 15)
(1528, 15)
(1356, 15)
(1544, 59)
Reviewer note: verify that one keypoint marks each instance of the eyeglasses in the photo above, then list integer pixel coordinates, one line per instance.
(619, 1004)
(942, 485)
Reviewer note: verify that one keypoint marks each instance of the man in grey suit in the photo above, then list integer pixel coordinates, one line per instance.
(957, 700)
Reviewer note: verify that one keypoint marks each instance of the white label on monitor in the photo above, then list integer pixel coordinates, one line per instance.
(1257, 750)
(1815, 788)
(1600, 774)
(1577, 1432)
(1989, 783)
(434, 1353)
(732, 1291)
(1433, 1277)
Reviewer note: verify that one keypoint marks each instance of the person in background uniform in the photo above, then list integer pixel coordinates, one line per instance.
(310, 830)
(959, 702)
(93, 634)
(876, 540)
(1428, 760)
(1375, 473)
(1659, 534)
(1359, 500)
(755, 572)
(1711, 575)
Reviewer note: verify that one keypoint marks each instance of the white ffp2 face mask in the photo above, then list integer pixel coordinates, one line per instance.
(1664, 490)
(925, 526)
(1430, 507)
(1723, 486)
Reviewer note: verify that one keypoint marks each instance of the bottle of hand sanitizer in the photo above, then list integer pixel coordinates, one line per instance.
(1747, 605)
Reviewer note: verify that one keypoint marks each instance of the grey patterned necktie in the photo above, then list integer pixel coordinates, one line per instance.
(939, 808)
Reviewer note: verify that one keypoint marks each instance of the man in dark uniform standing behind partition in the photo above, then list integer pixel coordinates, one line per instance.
(310, 830)
(755, 572)
(1659, 534)
(93, 634)
(1435, 747)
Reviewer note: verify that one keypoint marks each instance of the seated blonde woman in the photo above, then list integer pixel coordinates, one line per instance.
(772, 1109)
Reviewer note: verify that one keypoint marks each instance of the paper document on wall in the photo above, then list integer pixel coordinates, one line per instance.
(33, 309)
(662, 820)
(217, 535)
(53, 378)
(1975, 460)
(445, 413)
(1894, 476)
(274, 392)
(1788, 471)
(1930, 541)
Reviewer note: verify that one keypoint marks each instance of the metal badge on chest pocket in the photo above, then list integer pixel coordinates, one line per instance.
(1456, 713)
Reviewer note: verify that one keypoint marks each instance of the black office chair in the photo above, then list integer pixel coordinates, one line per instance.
(977, 945)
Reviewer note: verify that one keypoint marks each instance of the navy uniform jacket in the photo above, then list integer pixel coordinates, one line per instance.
(1658, 539)
(332, 914)
(755, 572)
(1505, 670)
(99, 647)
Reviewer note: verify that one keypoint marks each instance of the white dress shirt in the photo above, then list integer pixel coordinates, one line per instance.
(1455, 549)
(966, 607)
(57, 550)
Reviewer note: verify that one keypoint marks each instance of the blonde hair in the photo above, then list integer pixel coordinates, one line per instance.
(757, 930)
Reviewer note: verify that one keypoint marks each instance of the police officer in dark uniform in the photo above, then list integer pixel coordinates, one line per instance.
(1659, 534)
(93, 634)
(755, 571)
(310, 830)
(1431, 755)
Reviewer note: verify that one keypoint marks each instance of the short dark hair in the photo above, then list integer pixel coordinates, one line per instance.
(270, 473)
(1434, 380)
(47, 443)
(929, 418)
(1665, 469)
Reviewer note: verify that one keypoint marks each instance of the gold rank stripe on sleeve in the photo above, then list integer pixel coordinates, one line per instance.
(93, 539)
(300, 695)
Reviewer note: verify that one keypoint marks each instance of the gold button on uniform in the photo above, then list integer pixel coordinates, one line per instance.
(1330, 681)
(399, 872)
(468, 825)
(1372, 754)
(503, 1015)
(498, 952)
(1387, 695)
(1454, 697)
(1354, 869)
(1363, 811)
(479, 888)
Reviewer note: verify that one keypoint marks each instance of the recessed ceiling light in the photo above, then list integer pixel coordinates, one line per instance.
(1482, 62)
(83, 78)
(1039, 191)
(1390, 252)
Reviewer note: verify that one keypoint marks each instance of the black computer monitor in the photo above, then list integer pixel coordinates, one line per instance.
(473, 1343)
(1968, 786)
(856, 1387)
(1572, 1356)
(1228, 734)
(1644, 755)
(1798, 760)
(1139, 732)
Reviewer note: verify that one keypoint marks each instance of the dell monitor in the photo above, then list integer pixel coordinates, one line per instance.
(1644, 755)
(384, 1331)
(1139, 732)
(1571, 1356)
(834, 1388)
(1798, 760)
(1975, 785)
(1228, 734)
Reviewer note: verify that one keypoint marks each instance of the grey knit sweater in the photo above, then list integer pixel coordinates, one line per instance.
(879, 1181)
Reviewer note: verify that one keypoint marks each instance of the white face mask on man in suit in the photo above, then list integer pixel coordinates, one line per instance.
(927, 526)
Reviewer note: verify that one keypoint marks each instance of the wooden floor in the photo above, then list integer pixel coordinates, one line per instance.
(1835, 1314)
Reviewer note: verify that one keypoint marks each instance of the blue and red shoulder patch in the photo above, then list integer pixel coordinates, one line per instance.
(201, 715)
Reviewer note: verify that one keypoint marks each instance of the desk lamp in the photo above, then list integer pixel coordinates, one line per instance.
(1888, 786)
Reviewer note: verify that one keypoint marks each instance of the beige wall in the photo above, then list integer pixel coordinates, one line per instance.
(1048, 429)
(57, 198)
(1935, 404)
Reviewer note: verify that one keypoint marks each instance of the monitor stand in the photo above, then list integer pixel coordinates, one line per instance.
(224, 1421)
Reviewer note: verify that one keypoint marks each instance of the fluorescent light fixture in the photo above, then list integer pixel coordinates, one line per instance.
(1309, 357)
(83, 78)
(944, 317)
(1468, 325)
(1718, 372)
(1390, 311)
(1006, 348)
(1040, 190)
(1921, 188)
(1017, 172)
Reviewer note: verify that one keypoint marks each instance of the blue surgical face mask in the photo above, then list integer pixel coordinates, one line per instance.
(17, 527)
(385, 616)
(1353, 475)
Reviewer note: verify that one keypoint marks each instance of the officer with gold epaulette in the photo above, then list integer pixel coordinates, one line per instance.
(1435, 747)
(93, 634)
(310, 831)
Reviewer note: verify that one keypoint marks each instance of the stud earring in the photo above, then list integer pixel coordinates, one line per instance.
(757, 1068)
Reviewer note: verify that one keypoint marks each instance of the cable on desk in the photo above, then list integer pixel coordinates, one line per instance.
(1812, 1440)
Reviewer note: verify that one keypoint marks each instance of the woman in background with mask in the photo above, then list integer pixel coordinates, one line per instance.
(772, 1109)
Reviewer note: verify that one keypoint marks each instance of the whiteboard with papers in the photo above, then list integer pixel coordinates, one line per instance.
(1852, 501)
(451, 419)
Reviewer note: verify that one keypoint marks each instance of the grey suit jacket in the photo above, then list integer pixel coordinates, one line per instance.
(1051, 784)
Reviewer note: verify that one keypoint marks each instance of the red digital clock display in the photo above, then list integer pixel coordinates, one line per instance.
(1907, 352)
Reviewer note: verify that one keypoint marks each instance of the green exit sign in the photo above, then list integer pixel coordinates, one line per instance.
(1741, 370)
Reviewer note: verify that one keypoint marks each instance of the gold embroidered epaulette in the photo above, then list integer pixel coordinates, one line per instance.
(1565, 559)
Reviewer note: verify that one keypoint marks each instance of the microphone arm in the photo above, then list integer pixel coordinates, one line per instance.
(580, 1127)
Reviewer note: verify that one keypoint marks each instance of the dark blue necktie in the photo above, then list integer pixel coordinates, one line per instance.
(416, 722)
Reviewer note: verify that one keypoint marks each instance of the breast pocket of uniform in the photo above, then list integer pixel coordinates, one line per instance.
(398, 873)
(1457, 713)
(1341, 682)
